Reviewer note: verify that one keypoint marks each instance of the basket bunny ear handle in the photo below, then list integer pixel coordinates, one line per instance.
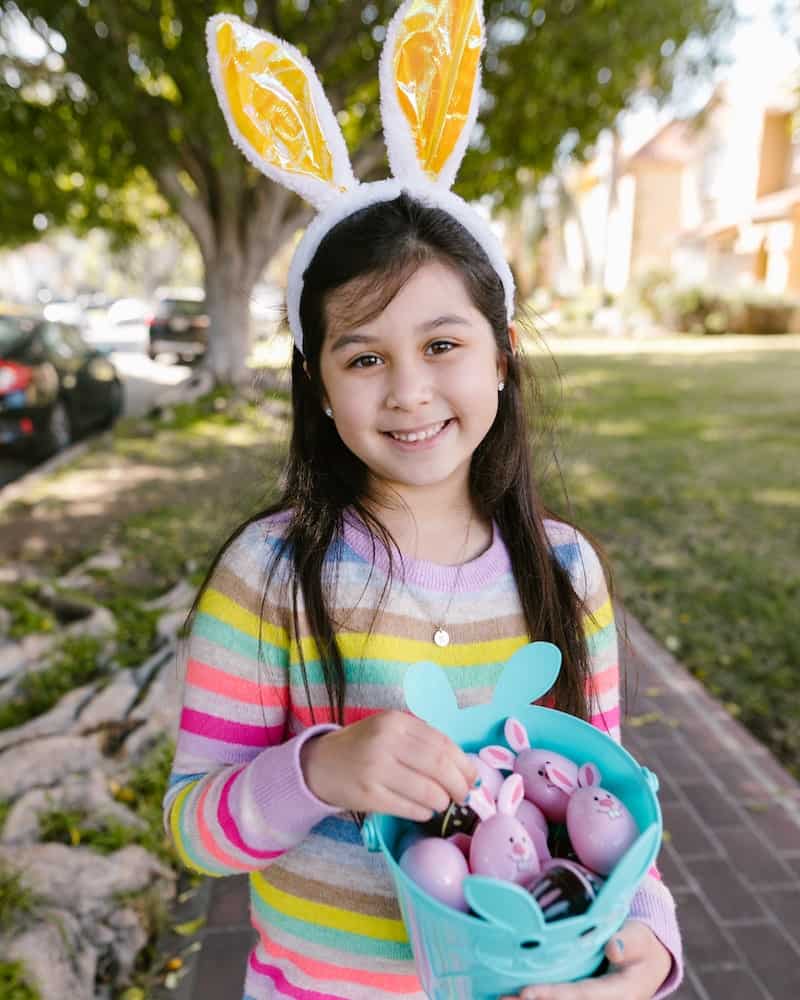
(529, 674)
(430, 85)
(505, 905)
(276, 110)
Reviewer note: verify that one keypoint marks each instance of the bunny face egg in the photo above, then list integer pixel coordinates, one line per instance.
(600, 827)
(535, 766)
(501, 848)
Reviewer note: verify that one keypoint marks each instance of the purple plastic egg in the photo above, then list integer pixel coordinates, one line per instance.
(438, 867)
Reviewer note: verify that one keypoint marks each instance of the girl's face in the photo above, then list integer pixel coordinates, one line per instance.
(413, 390)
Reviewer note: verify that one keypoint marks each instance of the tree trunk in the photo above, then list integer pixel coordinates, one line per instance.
(228, 289)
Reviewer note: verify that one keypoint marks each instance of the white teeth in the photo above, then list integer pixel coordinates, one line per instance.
(419, 435)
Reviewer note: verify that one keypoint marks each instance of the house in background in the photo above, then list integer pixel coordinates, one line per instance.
(714, 198)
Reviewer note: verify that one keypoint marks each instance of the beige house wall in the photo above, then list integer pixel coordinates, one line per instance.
(657, 217)
(793, 280)
(775, 160)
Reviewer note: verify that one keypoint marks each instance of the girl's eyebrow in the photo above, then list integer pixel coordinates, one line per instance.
(348, 338)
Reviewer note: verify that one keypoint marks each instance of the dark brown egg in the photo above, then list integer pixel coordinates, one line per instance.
(455, 819)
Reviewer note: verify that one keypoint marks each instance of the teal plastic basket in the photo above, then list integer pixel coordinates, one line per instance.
(508, 945)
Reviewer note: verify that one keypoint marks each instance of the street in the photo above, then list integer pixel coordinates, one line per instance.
(144, 381)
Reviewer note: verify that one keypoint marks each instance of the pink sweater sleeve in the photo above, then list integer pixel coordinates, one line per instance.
(237, 799)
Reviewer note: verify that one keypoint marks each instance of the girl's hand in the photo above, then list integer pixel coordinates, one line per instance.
(639, 965)
(392, 763)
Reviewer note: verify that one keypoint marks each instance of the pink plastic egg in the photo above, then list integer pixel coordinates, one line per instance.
(533, 819)
(438, 867)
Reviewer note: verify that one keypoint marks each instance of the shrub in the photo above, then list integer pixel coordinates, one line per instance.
(17, 903)
(703, 310)
(13, 984)
(77, 662)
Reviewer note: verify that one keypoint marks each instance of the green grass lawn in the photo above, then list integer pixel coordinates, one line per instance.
(686, 467)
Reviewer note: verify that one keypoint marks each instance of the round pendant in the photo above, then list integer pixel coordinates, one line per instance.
(441, 637)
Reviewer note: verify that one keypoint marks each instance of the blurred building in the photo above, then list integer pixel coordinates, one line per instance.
(714, 198)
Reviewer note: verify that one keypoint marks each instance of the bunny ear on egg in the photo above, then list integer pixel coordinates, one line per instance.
(516, 734)
(498, 757)
(510, 795)
(430, 86)
(588, 775)
(558, 778)
(481, 802)
(276, 110)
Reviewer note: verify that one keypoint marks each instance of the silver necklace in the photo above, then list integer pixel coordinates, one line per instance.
(441, 636)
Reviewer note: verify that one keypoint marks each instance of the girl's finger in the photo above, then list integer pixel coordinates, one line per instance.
(396, 803)
(438, 745)
(629, 944)
(436, 756)
(439, 769)
(418, 788)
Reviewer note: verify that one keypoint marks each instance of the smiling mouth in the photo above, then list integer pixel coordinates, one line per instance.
(409, 437)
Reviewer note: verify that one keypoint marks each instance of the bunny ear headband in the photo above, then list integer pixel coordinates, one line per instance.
(278, 115)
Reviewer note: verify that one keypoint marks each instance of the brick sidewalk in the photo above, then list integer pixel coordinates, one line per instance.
(731, 853)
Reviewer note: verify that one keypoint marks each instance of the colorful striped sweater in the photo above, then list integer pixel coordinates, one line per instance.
(324, 908)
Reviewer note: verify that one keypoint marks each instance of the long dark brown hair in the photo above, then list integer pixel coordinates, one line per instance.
(380, 247)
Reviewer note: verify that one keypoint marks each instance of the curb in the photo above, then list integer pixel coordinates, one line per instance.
(14, 490)
(727, 730)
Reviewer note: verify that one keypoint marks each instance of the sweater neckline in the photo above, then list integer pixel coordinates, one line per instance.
(483, 569)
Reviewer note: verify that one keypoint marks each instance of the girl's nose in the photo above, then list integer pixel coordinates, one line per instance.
(408, 388)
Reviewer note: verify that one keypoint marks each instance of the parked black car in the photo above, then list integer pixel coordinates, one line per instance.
(179, 326)
(53, 385)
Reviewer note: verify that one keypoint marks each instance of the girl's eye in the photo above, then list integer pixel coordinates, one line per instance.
(441, 346)
(365, 361)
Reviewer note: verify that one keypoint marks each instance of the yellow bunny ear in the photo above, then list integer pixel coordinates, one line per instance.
(430, 84)
(276, 110)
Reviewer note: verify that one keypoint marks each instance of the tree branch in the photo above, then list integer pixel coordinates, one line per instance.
(279, 214)
(191, 210)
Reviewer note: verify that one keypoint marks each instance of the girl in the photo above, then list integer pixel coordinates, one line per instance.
(409, 511)
(409, 530)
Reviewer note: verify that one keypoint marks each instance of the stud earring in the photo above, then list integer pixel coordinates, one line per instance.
(501, 386)
(328, 411)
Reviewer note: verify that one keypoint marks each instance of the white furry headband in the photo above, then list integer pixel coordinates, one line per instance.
(278, 115)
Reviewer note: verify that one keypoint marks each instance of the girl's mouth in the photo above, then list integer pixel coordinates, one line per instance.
(415, 439)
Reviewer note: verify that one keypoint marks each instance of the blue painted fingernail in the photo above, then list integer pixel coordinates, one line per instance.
(620, 944)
